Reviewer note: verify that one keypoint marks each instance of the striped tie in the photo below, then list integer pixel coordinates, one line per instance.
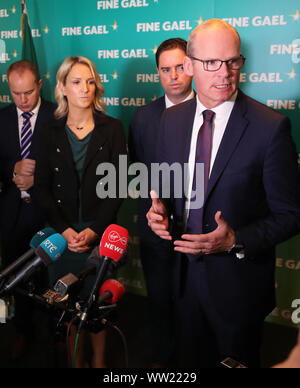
(26, 135)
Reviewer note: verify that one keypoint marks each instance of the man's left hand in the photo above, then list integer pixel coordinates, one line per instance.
(220, 240)
(23, 182)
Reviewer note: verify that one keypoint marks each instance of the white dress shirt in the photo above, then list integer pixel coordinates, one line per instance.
(169, 103)
(33, 118)
(222, 114)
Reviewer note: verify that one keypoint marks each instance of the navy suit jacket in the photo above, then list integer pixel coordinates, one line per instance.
(255, 182)
(143, 137)
(10, 153)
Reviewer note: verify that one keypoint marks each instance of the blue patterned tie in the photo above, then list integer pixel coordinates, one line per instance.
(26, 135)
(203, 155)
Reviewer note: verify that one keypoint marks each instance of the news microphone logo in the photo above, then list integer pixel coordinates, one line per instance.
(114, 242)
(114, 237)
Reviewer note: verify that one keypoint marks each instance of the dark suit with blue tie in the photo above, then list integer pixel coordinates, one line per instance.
(155, 253)
(255, 182)
(19, 221)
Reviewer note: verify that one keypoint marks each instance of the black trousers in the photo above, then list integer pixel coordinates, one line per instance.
(205, 338)
(157, 265)
(13, 244)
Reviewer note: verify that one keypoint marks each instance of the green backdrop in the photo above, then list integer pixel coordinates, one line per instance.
(121, 37)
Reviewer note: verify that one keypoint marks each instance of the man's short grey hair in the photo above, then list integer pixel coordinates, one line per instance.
(211, 23)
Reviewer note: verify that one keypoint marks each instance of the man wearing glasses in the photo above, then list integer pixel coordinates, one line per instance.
(225, 249)
(155, 253)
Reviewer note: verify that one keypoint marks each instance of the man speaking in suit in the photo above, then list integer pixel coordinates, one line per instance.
(250, 180)
(143, 136)
(20, 217)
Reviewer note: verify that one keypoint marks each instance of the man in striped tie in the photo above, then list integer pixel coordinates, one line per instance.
(20, 217)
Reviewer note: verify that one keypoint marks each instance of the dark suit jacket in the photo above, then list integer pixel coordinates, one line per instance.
(10, 153)
(142, 142)
(57, 182)
(255, 183)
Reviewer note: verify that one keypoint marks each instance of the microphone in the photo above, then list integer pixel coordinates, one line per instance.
(111, 291)
(113, 246)
(46, 253)
(36, 240)
(70, 282)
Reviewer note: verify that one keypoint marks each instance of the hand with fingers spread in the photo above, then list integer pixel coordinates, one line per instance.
(220, 240)
(157, 217)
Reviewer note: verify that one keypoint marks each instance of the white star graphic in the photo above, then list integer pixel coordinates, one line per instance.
(115, 75)
(115, 26)
(292, 74)
(154, 50)
(200, 21)
(296, 17)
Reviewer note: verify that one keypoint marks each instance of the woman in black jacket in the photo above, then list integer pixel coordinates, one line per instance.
(71, 147)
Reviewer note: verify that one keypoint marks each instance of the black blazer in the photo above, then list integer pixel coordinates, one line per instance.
(10, 154)
(56, 180)
(255, 182)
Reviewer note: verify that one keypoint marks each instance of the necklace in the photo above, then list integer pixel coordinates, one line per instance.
(78, 128)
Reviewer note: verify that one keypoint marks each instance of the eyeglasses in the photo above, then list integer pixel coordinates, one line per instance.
(215, 64)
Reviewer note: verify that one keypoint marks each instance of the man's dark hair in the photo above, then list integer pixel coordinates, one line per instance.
(170, 44)
(21, 66)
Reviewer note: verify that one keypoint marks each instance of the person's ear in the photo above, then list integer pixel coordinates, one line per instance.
(188, 66)
(61, 87)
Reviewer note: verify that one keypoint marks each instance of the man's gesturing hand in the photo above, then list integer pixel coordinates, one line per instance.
(220, 240)
(157, 217)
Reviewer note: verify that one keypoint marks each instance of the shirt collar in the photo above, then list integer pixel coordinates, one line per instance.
(34, 111)
(169, 103)
(220, 110)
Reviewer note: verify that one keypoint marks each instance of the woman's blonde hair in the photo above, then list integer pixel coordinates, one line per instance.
(61, 77)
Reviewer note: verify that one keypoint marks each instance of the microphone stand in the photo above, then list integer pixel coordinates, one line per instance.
(92, 297)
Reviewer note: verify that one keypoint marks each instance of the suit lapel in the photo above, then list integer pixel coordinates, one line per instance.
(35, 132)
(183, 139)
(189, 120)
(13, 132)
(63, 145)
(235, 129)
